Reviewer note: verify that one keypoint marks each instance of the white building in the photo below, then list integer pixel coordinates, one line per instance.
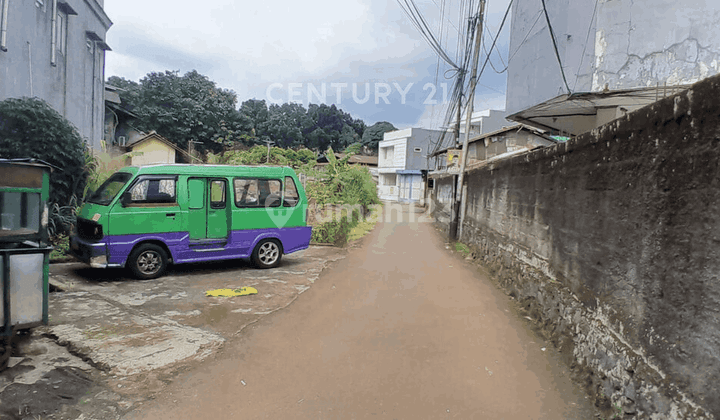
(403, 163)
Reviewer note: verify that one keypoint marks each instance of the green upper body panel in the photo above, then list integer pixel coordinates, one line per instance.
(119, 220)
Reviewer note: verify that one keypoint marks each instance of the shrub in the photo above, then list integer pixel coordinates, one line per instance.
(258, 155)
(341, 183)
(30, 128)
(336, 231)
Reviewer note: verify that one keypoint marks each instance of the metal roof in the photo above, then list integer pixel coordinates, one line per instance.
(515, 127)
(566, 112)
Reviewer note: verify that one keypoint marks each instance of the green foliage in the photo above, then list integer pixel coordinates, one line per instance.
(185, 108)
(258, 155)
(373, 135)
(30, 128)
(191, 107)
(337, 231)
(61, 247)
(290, 125)
(341, 183)
(101, 166)
(365, 225)
(62, 218)
(462, 248)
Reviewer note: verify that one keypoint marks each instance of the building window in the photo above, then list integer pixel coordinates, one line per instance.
(389, 180)
(388, 153)
(4, 6)
(61, 33)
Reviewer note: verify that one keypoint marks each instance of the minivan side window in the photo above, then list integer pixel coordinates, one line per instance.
(217, 194)
(290, 195)
(153, 191)
(257, 192)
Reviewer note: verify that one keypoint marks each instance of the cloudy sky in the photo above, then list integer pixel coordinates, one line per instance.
(363, 55)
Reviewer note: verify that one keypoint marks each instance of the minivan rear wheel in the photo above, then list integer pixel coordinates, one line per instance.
(267, 254)
(148, 261)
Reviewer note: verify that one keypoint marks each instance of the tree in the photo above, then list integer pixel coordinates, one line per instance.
(348, 136)
(287, 124)
(374, 134)
(191, 107)
(185, 108)
(129, 91)
(30, 128)
(256, 111)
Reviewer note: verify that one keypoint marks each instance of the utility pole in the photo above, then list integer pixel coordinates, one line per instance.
(191, 148)
(455, 225)
(269, 143)
(459, 118)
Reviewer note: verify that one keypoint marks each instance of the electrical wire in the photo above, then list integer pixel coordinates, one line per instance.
(540, 13)
(417, 19)
(587, 38)
(497, 35)
(497, 52)
(485, 51)
(463, 54)
(557, 53)
(459, 87)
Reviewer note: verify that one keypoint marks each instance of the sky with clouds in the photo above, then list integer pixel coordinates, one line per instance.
(365, 56)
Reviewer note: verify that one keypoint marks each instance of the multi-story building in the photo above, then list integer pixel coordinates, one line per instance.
(55, 50)
(608, 46)
(403, 163)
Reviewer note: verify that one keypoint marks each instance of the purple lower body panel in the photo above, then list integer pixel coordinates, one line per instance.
(239, 244)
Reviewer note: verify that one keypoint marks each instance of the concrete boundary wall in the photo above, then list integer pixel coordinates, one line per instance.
(611, 241)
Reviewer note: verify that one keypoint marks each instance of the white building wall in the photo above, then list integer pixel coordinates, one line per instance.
(387, 167)
(630, 44)
(404, 143)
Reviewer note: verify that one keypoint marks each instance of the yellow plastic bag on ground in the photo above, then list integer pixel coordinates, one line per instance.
(243, 291)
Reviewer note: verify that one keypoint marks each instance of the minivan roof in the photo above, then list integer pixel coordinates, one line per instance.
(210, 170)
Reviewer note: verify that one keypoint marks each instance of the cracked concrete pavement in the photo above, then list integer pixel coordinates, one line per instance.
(114, 342)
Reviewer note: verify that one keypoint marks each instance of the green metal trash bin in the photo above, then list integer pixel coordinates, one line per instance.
(24, 247)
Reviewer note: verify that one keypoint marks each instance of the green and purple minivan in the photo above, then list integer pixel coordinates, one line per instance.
(146, 217)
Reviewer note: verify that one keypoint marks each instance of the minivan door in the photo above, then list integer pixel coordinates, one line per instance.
(207, 208)
(217, 219)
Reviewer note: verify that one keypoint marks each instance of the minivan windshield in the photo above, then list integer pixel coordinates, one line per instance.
(110, 188)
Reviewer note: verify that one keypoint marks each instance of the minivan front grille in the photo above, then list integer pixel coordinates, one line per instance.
(89, 230)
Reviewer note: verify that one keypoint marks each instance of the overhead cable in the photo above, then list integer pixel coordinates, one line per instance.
(587, 38)
(421, 25)
(557, 53)
(497, 35)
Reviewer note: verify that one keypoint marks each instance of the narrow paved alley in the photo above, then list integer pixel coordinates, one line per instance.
(400, 329)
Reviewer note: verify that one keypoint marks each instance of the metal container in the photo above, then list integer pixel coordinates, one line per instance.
(24, 250)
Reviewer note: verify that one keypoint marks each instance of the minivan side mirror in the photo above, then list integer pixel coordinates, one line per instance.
(125, 199)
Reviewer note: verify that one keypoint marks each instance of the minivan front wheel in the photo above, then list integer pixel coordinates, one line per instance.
(148, 261)
(267, 254)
